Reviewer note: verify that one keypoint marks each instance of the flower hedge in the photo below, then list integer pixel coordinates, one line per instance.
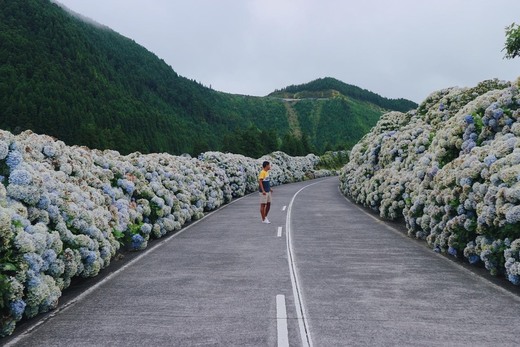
(451, 168)
(66, 211)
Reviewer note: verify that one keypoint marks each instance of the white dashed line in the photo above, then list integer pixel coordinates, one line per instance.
(281, 322)
(279, 231)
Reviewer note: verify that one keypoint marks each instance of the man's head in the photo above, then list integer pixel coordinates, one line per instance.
(266, 165)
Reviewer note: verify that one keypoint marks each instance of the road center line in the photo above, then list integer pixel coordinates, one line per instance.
(301, 314)
(281, 321)
(279, 231)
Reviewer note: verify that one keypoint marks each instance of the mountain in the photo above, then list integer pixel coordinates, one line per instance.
(328, 87)
(85, 84)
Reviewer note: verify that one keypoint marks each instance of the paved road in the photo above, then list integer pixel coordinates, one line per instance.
(330, 275)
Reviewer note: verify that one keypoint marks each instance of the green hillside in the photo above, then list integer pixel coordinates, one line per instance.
(328, 87)
(87, 85)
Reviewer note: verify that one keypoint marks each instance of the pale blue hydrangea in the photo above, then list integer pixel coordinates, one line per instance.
(105, 252)
(23, 241)
(465, 181)
(34, 279)
(34, 261)
(127, 185)
(88, 256)
(29, 194)
(44, 202)
(108, 190)
(490, 159)
(49, 257)
(513, 215)
(14, 158)
(56, 269)
(49, 151)
(54, 213)
(146, 228)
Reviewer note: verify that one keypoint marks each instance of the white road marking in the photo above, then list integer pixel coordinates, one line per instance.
(283, 209)
(301, 314)
(281, 322)
(279, 231)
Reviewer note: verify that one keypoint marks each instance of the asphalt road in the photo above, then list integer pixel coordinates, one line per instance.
(324, 273)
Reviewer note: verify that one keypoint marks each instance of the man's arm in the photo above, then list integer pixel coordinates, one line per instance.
(261, 183)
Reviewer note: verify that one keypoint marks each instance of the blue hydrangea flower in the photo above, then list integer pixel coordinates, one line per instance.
(498, 113)
(34, 279)
(107, 189)
(441, 107)
(91, 257)
(20, 177)
(137, 241)
(14, 159)
(473, 259)
(49, 257)
(490, 159)
(146, 228)
(44, 202)
(465, 181)
(452, 251)
(469, 119)
(127, 185)
(17, 308)
(34, 261)
(515, 279)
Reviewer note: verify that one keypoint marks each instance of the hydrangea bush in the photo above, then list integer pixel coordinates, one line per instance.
(66, 211)
(451, 169)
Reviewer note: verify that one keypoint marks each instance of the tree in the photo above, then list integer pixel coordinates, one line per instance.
(512, 46)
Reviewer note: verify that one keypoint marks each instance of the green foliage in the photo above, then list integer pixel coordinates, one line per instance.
(512, 45)
(7, 269)
(88, 85)
(333, 160)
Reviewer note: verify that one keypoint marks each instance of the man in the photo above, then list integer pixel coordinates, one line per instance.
(265, 191)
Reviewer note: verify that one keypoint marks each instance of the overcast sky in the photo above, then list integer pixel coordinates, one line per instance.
(396, 48)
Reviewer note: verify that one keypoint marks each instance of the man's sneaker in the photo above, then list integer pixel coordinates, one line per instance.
(266, 221)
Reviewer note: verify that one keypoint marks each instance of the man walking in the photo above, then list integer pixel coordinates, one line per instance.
(265, 191)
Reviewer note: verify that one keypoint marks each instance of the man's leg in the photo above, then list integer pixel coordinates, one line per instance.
(267, 208)
(263, 211)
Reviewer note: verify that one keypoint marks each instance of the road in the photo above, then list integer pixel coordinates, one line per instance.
(324, 273)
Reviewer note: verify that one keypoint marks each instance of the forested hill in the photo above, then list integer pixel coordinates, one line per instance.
(325, 87)
(87, 85)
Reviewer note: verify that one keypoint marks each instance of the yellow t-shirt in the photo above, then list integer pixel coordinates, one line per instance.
(264, 176)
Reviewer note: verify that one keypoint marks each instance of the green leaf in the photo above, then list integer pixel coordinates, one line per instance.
(8, 267)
